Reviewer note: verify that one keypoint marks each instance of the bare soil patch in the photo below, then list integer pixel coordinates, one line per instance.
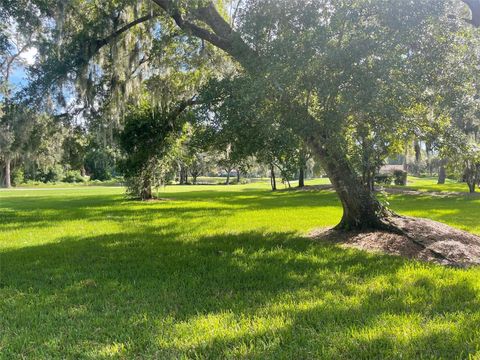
(158, 200)
(406, 191)
(311, 188)
(422, 239)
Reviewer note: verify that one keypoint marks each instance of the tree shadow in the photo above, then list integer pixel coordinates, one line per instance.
(152, 291)
(249, 295)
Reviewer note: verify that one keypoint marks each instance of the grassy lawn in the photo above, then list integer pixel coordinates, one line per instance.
(430, 184)
(222, 272)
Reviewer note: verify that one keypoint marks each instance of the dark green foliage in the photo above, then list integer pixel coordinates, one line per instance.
(383, 179)
(400, 177)
(147, 142)
(18, 176)
(51, 174)
(75, 148)
(100, 163)
(73, 176)
(244, 124)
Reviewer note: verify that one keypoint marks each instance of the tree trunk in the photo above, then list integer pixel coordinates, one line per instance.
(472, 186)
(301, 178)
(273, 180)
(442, 174)
(238, 176)
(371, 181)
(147, 190)
(228, 177)
(183, 175)
(361, 209)
(8, 174)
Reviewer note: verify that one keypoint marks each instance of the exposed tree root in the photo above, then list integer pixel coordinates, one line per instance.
(414, 238)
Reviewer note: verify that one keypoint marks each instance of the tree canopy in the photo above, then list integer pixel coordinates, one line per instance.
(351, 81)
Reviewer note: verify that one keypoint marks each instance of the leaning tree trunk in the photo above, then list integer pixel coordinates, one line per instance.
(8, 173)
(361, 209)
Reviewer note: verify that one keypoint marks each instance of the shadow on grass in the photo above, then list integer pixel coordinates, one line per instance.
(241, 295)
(150, 291)
(37, 211)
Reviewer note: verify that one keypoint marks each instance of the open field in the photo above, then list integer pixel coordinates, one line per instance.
(223, 272)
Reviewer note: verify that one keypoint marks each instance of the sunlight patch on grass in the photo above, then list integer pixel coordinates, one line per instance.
(221, 272)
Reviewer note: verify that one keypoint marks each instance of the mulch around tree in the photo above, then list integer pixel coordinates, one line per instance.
(423, 239)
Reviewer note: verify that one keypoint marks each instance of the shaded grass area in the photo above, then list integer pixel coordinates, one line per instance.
(221, 272)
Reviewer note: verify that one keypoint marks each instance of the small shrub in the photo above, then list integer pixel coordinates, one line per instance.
(384, 179)
(73, 176)
(52, 174)
(400, 177)
(17, 177)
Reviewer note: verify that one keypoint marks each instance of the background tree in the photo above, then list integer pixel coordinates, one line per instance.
(311, 60)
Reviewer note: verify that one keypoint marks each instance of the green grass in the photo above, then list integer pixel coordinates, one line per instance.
(430, 184)
(221, 272)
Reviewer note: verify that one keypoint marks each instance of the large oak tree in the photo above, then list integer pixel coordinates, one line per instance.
(321, 63)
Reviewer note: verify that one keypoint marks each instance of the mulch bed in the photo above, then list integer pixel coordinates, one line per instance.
(422, 239)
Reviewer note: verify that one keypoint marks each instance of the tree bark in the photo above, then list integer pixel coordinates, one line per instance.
(442, 175)
(8, 173)
(273, 180)
(228, 177)
(301, 178)
(183, 177)
(238, 176)
(472, 186)
(147, 189)
(361, 209)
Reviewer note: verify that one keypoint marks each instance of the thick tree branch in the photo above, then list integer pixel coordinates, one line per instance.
(96, 45)
(221, 34)
(128, 27)
(182, 106)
